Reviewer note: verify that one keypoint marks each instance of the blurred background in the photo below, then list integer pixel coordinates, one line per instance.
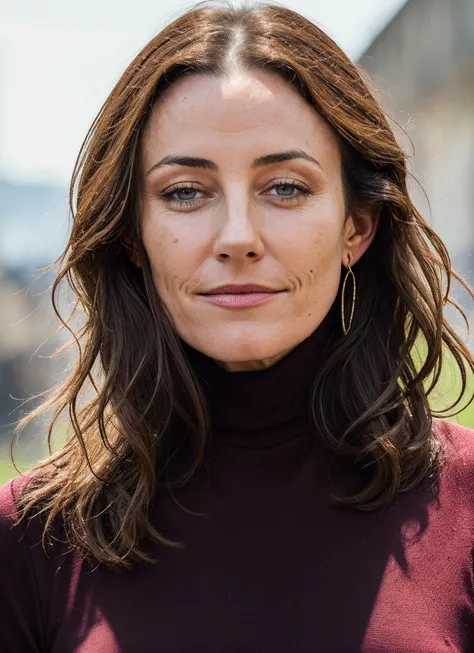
(58, 62)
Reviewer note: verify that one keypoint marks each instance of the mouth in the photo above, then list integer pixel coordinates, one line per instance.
(243, 296)
(240, 289)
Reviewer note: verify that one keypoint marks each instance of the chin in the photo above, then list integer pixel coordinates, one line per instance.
(239, 343)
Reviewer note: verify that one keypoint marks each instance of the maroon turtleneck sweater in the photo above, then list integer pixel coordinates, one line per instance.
(271, 567)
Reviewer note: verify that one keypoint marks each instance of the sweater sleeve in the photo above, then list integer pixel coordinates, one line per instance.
(21, 629)
(461, 454)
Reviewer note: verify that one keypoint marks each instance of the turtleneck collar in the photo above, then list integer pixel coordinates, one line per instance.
(261, 408)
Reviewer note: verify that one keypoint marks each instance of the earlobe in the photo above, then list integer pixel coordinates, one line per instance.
(347, 260)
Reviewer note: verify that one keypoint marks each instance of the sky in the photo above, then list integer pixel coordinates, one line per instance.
(59, 59)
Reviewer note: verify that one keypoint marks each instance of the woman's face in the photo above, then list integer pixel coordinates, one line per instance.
(242, 185)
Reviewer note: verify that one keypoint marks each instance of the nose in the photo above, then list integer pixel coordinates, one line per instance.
(239, 238)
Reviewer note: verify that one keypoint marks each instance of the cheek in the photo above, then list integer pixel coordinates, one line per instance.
(315, 257)
(173, 258)
(159, 246)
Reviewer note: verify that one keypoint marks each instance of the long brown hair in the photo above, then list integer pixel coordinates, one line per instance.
(146, 426)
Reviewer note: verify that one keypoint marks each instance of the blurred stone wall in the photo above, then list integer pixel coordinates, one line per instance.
(423, 65)
(33, 230)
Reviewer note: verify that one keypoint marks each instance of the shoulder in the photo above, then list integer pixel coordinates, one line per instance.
(10, 494)
(30, 536)
(20, 601)
(12, 530)
(458, 441)
(458, 449)
(19, 535)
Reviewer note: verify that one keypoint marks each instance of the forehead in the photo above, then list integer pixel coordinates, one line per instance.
(260, 111)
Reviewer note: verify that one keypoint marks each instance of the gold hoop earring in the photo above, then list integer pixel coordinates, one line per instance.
(349, 272)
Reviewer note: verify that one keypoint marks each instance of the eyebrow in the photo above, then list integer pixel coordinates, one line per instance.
(266, 160)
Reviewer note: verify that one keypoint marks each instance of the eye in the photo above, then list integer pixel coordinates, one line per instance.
(181, 189)
(174, 196)
(288, 187)
(285, 187)
(188, 191)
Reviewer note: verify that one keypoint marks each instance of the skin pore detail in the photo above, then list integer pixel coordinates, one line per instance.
(241, 185)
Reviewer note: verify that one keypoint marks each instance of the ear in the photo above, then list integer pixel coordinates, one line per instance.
(131, 251)
(359, 232)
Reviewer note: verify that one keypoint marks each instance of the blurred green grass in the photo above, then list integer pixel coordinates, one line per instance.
(7, 470)
(446, 390)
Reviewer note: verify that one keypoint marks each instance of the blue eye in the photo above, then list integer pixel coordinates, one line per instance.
(302, 190)
(286, 188)
(185, 190)
(168, 196)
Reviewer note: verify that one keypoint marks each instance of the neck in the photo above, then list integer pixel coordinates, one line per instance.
(250, 366)
(266, 405)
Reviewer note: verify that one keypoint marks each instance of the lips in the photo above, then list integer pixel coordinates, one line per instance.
(240, 296)
(240, 289)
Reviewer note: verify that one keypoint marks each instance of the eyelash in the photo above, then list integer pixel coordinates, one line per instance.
(167, 195)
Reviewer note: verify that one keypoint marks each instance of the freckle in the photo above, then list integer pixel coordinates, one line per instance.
(175, 240)
(309, 314)
(311, 271)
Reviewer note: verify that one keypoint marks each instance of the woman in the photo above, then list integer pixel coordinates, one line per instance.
(258, 468)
